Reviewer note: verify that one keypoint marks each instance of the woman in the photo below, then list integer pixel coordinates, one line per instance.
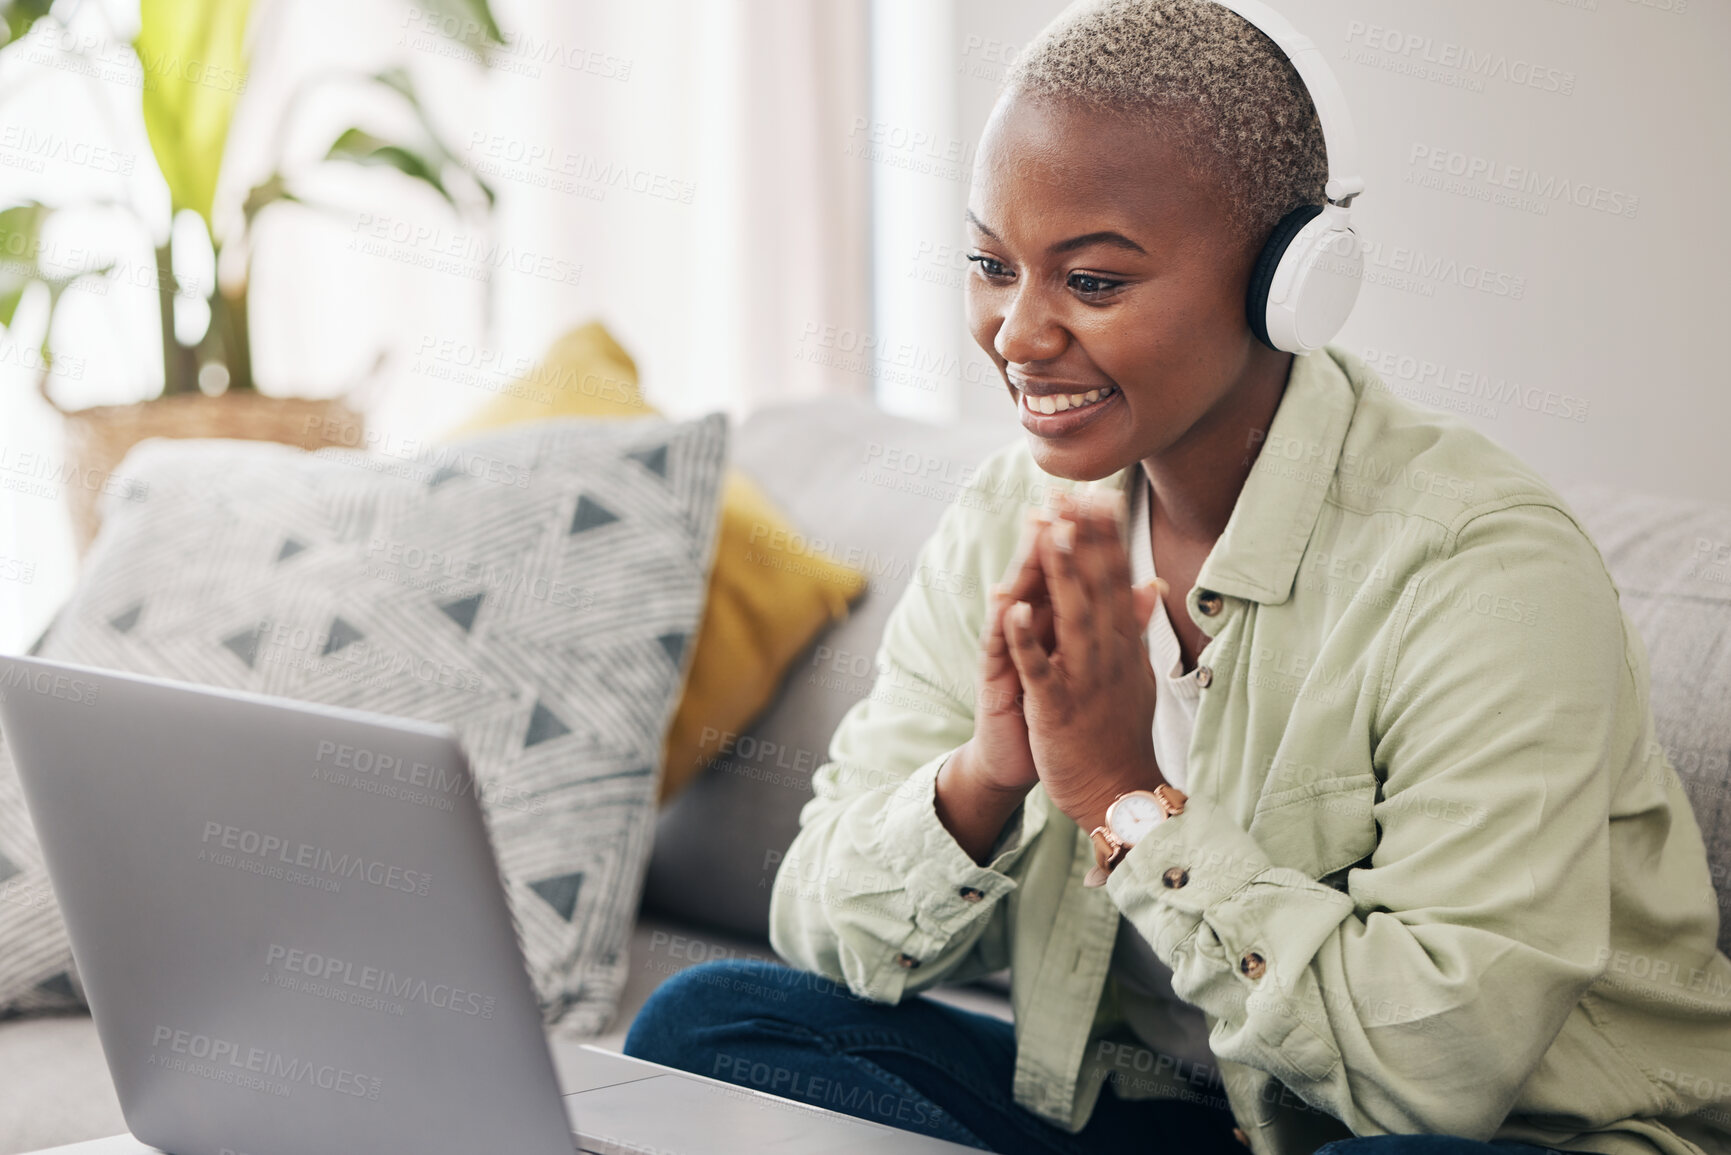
(1392, 793)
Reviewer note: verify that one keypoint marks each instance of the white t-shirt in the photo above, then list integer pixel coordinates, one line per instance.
(1162, 1020)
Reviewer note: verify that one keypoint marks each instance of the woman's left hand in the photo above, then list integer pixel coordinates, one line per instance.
(1089, 703)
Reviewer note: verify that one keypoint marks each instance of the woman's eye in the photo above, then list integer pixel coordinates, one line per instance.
(1091, 286)
(991, 267)
(1085, 284)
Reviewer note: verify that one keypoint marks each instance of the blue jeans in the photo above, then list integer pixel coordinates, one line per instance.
(920, 1065)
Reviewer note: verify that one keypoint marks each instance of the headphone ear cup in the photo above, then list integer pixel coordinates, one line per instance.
(1262, 276)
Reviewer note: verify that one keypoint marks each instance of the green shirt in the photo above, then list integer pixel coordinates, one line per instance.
(1438, 875)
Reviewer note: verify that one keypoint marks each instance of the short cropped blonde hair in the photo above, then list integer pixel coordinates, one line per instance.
(1202, 69)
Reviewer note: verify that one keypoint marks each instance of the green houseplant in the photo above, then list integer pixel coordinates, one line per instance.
(194, 62)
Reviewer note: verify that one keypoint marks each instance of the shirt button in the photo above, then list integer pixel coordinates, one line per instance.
(1204, 676)
(1175, 877)
(1209, 602)
(907, 961)
(1252, 964)
(971, 894)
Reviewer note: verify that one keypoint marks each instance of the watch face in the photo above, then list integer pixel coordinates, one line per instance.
(1134, 815)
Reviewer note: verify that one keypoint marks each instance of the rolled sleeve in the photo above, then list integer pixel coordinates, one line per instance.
(875, 892)
(939, 875)
(1216, 858)
(1374, 1003)
(880, 896)
(1215, 909)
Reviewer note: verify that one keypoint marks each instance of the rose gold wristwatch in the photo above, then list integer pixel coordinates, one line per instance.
(1128, 820)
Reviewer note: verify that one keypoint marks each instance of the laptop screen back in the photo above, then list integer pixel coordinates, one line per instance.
(287, 918)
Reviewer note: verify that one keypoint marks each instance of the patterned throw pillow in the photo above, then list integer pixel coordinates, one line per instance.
(770, 592)
(536, 589)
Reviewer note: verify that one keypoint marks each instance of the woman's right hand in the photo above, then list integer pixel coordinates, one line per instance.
(1000, 757)
(980, 786)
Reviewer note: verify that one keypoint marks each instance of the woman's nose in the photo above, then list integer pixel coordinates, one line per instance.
(1028, 333)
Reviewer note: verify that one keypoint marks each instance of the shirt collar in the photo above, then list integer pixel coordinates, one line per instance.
(1257, 556)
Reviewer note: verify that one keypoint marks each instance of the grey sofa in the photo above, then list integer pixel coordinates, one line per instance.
(875, 485)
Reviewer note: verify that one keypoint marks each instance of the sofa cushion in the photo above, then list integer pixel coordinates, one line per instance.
(764, 604)
(1671, 560)
(535, 589)
(866, 488)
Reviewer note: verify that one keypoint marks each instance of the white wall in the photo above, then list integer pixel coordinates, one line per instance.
(1611, 317)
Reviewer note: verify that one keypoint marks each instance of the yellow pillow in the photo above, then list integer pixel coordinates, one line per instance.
(765, 603)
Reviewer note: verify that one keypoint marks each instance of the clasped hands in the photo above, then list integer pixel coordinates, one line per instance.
(1066, 689)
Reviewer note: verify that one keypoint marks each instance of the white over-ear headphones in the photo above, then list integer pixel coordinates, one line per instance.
(1307, 279)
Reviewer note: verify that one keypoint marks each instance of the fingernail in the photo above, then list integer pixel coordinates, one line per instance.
(1064, 535)
(1024, 613)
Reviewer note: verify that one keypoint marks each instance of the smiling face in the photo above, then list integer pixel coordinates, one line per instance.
(1106, 266)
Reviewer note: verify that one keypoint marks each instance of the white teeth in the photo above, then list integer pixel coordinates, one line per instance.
(1059, 402)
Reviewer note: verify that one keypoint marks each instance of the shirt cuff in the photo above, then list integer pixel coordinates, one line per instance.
(1200, 865)
(1198, 869)
(947, 888)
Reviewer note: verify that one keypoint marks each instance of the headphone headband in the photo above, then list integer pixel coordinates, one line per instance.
(1345, 179)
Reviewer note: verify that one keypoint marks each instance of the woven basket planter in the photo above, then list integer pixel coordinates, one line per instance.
(98, 439)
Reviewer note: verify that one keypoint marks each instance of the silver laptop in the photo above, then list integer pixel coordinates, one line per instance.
(279, 962)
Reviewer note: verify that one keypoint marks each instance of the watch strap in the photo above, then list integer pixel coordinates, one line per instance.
(1109, 849)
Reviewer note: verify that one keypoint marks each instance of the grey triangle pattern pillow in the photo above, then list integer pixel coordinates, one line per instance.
(535, 589)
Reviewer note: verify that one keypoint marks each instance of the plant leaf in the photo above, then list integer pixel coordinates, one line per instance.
(399, 81)
(56, 286)
(362, 147)
(21, 231)
(10, 295)
(21, 265)
(194, 60)
(19, 16)
(467, 21)
(20, 244)
(265, 193)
